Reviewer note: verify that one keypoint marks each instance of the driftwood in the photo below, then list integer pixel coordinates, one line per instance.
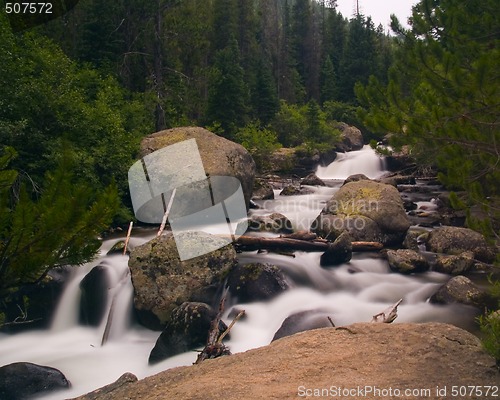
(285, 243)
(128, 237)
(388, 315)
(214, 347)
(167, 211)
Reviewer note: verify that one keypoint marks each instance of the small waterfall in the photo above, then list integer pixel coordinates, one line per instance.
(352, 292)
(365, 161)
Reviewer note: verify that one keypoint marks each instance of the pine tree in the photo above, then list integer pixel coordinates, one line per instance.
(228, 94)
(443, 96)
(57, 225)
(329, 89)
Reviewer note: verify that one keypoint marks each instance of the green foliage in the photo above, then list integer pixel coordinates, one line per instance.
(290, 123)
(48, 102)
(443, 98)
(489, 323)
(260, 143)
(304, 125)
(56, 225)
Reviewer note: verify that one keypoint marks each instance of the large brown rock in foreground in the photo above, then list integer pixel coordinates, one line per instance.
(220, 156)
(364, 356)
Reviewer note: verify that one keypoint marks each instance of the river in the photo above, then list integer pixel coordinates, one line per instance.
(353, 292)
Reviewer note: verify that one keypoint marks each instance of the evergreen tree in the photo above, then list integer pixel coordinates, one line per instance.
(329, 90)
(57, 225)
(357, 62)
(224, 26)
(48, 103)
(443, 96)
(265, 101)
(228, 94)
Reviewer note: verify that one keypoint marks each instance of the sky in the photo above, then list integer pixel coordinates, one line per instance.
(379, 10)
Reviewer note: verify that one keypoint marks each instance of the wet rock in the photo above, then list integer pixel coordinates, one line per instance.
(187, 329)
(351, 138)
(356, 178)
(312, 180)
(220, 156)
(302, 321)
(262, 190)
(339, 252)
(22, 380)
(455, 265)
(368, 210)
(38, 302)
(397, 179)
(274, 222)
(255, 282)
(94, 289)
(454, 240)
(163, 282)
(118, 248)
(407, 261)
(290, 190)
(460, 289)
(415, 238)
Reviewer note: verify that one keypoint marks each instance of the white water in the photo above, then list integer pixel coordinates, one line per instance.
(353, 292)
(364, 161)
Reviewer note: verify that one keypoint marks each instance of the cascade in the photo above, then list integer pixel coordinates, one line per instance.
(352, 292)
(364, 161)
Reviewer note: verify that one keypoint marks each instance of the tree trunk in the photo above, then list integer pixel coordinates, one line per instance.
(281, 243)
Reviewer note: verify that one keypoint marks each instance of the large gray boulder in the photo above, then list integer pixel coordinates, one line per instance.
(162, 281)
(454, 240)
(368, 210)
(351, 137)
(22, 380)
(220, 156)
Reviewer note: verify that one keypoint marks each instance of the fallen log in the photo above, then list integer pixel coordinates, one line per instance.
(283, 243)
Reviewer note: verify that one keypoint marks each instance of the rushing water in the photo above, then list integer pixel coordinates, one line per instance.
(352, 292)
(364, 161)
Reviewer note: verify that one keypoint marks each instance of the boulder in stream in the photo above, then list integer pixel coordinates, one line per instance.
(455, 265)
(256, 282)
(220, 156)
(339, 252)
(368, 210)
(407, 261)
(454, 240)
(312, 180)
(163, 282)
(275, 222)
(351, 137)
(22, 380)
(187, 329)
(94, 298)
(461, 289)
(262, 190)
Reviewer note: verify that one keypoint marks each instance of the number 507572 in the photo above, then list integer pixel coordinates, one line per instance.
(28, 8)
